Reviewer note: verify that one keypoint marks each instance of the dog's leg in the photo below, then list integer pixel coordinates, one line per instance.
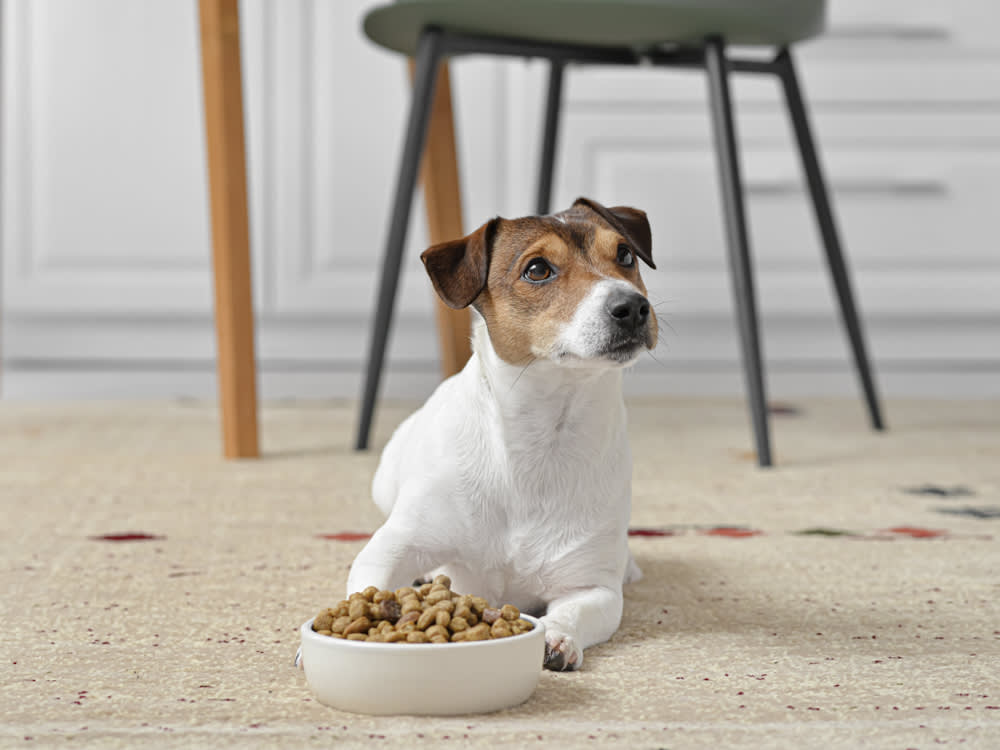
(577, 621)
(390, 559)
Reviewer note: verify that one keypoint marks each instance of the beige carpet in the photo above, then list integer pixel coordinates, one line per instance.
(876, 638)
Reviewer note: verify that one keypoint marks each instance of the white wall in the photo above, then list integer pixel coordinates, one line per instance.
(106, 285)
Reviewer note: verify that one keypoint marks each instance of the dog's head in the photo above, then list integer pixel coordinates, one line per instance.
(565, 287)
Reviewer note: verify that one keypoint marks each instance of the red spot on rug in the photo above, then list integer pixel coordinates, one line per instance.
(128, 536)
(916, 532)
(783, 410)
(732, 532)
(346, 536)
(651, 532)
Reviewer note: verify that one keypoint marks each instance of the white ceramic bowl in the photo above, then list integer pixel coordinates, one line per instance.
(423, 678)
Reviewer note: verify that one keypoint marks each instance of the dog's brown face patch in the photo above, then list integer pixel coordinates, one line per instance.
(541, 269)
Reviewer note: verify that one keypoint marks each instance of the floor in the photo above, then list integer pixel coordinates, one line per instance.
(849, 597)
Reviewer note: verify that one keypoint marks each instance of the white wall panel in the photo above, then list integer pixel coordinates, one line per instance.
(106, 250)
(103, 178)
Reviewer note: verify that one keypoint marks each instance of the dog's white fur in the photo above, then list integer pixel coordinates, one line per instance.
(516, 482)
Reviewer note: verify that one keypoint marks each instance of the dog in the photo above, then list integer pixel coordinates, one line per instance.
(514, 478)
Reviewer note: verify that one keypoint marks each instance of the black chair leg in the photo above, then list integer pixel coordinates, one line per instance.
(738, 242)
(549, 134)
(828, 229)
(429, 53)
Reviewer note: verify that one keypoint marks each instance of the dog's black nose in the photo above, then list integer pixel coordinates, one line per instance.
(629, 309)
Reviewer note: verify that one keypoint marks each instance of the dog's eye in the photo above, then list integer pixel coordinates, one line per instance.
(625, 256)
(537, 270)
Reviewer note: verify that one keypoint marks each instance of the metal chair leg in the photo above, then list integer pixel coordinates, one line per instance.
(724, 129)
(429, 53)
(828, 229)
(548, 156)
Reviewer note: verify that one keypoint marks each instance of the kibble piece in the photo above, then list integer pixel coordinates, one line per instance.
(501, 629)
(425, 589)
(408, 618)
(411, 604)
(426, 619)
(360, 625)
(510, 612)
(341, 609)
(442, 618)
(324, 631)
(340, 624)
(388, 610)
(478, 604)
(443, 580)
(383, 595)
(357, 637)
(440, 595)
(405, 591)
(394, 636)
(357, 608)
(323, 620)
(417, 636)
(478, 633)
(437, 630)
(458, 624)
(369, 592)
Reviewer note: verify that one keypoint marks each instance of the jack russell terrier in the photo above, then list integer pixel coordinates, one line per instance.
(514, 478)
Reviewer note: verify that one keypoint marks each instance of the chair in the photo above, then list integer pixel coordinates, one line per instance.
(667, 33)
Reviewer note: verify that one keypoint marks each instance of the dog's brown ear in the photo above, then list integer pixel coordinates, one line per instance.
(630, 222)
(459, 268)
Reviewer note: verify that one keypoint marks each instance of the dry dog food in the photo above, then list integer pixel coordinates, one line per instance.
(431, 613)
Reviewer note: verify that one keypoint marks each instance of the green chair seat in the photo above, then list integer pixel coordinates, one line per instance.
(637, 24)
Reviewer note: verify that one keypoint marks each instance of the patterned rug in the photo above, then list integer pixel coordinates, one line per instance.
(849, 597)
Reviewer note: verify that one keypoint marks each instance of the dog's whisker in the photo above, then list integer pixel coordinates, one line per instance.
(654, 358)
(530, 362)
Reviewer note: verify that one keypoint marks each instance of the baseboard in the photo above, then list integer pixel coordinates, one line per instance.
(417, 381)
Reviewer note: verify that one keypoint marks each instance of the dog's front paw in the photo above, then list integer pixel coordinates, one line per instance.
(561, 652)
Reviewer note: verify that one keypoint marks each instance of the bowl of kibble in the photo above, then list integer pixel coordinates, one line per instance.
(422, 650)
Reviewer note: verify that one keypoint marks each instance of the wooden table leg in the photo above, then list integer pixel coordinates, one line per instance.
(234, 324)
(443, 198)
